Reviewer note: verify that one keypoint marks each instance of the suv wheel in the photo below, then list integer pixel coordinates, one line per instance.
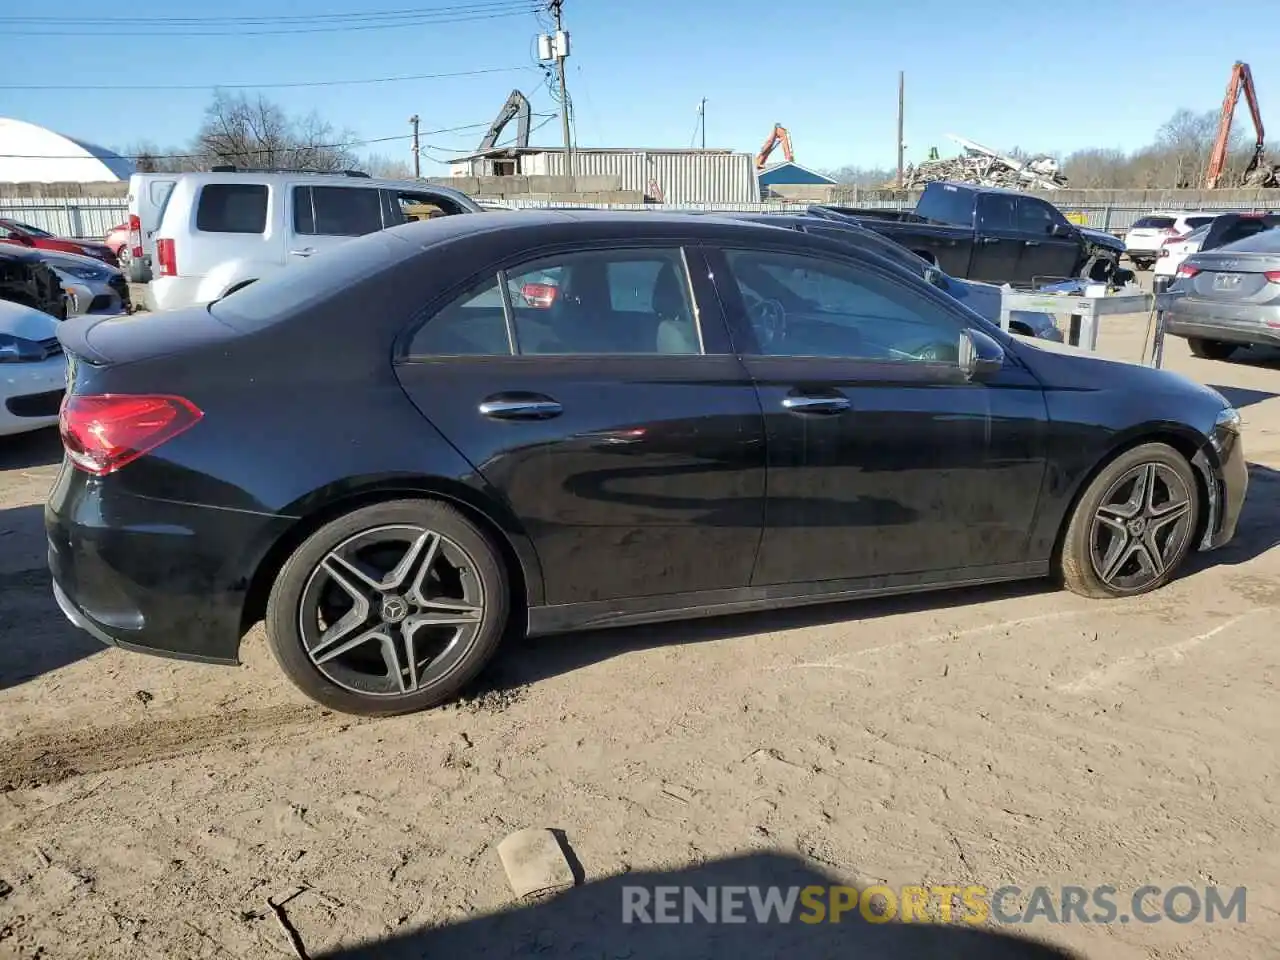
(1210, 349)
(389, 609)
(1134, 525)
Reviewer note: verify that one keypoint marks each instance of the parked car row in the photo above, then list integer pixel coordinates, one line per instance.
(678, 416)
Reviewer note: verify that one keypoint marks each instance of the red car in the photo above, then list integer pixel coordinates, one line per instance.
(25, 235)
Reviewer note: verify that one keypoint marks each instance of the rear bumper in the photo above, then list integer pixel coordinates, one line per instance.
(157, 576)
(1211, 320)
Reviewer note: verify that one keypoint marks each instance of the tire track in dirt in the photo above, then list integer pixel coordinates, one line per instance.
(49, 757)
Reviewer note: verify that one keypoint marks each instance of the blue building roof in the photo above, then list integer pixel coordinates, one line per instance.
(789, 172)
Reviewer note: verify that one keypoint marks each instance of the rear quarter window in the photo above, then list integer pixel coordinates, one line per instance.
(232, 208)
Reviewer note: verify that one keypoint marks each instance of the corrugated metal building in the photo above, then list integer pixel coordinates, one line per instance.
(664, 176)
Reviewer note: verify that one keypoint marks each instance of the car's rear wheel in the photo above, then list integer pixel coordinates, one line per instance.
(1210, 349)
(1133, 526)
(391, 608)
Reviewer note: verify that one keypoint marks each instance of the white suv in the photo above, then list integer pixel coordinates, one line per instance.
(1143, 241)
(221, 231)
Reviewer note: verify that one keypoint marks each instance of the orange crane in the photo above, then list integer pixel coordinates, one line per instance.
(779, 135)
(1241, 80)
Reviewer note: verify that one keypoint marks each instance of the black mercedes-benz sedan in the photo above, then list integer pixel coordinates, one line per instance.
(455, 430)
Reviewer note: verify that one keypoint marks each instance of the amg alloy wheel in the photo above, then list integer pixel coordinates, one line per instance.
(389, 609)
(1134, 525)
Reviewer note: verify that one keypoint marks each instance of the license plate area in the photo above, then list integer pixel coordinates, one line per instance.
(1226, 281)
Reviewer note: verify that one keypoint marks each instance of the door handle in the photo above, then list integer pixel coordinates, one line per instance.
(304, 252)
(1032, 243)
(520, 408)
(985, 240)
(811, 404)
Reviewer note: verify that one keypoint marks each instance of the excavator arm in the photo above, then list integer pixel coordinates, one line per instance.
(779, 135)
(1241, 81)
(517, 106)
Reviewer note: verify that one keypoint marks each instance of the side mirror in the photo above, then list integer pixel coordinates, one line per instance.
(980, 356)
(1059, 230)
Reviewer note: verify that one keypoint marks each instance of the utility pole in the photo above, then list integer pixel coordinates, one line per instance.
(560, 49)
(702, 121)
(417, 152)
(902, 86)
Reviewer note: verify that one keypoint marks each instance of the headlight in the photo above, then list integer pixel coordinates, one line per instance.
(17, 350)
(84, 272)
(1228, 419)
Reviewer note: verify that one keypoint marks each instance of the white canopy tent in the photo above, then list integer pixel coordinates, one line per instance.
(33, 154)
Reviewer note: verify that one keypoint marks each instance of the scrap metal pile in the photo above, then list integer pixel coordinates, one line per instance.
(988, 168)
(1264, 175)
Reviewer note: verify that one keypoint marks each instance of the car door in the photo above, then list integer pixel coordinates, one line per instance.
(1050, 245)
(997, 244)
(608, 409)
(883, 460)
(324, 217)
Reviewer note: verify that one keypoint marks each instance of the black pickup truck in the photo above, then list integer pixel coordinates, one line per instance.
(993, 235)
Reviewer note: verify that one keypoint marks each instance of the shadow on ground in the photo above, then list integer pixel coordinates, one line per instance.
(35, 638)
(587, 922)
(41, 448)
(1241, 397)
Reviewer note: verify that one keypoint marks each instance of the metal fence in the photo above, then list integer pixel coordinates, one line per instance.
(90, 217)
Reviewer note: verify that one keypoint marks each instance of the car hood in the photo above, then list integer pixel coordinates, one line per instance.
(27, 323)
(1062, 367)
(1102, 239)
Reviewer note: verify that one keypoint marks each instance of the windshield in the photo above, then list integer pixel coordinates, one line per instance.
(34, 231)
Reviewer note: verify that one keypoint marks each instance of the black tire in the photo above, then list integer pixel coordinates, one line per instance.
(1210, 349)
(1157, 542)
(288, 625)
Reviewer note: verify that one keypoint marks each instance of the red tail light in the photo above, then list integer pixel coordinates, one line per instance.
(1187, 272)
(1273, 276)
(167, 257)
(104, 432)
(135, 237)
(539, 294)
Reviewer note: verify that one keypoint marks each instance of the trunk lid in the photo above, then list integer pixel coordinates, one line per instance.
(1234, 276)
(127, 338)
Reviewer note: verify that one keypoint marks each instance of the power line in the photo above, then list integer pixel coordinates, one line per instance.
(475, 7)
(508, 11)
(289, 84)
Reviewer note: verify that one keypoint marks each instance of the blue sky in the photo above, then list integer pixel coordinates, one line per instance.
(1002, 73)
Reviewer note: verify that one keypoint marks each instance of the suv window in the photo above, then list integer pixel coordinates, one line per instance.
(802, 306)
(421, 206)
(1153, 223)
(232, 208)
(631, 301)
(999, 212)
(336, 211)
(1034, 216)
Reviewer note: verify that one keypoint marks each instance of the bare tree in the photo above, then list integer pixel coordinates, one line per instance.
(862, 176)
(380, 165)
(258, 133)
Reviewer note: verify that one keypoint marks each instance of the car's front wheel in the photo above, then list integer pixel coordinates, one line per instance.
(1210, 349)
(1133, 526)
(389, 609)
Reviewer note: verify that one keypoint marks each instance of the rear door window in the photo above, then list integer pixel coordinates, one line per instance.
(232, 208)
(336, 211)
(1153, 223)
(999, 212)
(947, 204)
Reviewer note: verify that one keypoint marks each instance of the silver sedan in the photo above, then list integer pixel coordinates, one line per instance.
(91, 286)
(1228, 298)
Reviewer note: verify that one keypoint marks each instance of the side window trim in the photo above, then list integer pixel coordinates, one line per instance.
(508, 313)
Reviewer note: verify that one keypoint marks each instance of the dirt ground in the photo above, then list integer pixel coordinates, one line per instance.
(149, 808)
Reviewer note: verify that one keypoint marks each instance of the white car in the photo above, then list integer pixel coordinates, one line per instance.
(223, 230)
(33, 372)
(1142, 242)
(1177, 249)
